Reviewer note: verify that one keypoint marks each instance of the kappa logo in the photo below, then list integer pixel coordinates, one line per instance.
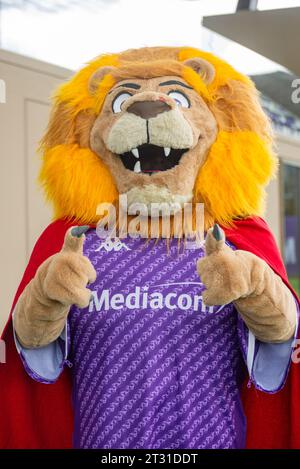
(112, 244)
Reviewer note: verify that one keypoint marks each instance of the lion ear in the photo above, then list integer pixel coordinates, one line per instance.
(205, 69)
(97, 76)
(65, 129)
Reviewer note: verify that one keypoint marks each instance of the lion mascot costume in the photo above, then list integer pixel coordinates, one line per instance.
(147, 340)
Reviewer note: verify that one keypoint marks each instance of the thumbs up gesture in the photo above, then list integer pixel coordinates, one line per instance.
(60, 281)
(69, 271)
(262, 299)
(225, 273)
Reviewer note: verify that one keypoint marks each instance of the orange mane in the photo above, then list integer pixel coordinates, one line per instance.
(232, 179)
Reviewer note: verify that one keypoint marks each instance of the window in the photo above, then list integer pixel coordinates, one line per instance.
(291, 222)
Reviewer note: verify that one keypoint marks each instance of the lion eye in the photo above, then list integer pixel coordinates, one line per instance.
(180, 98)
(118, 101)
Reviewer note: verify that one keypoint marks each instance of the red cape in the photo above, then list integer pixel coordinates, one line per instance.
(34, 415)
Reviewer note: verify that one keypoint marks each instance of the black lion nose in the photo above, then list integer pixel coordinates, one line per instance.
(147, 109)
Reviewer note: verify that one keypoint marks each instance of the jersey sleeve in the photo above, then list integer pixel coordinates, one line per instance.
(267, 363)
(45, 364)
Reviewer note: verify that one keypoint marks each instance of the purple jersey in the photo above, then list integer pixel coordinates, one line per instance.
(153, 367)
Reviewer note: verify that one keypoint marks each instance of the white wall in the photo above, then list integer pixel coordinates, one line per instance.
(23, 117)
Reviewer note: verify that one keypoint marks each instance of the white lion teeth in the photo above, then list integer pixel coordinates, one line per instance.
(167, 151)
(137, 167)
(135, 152)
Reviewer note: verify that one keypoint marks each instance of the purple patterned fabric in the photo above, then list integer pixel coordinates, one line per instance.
(152, 366)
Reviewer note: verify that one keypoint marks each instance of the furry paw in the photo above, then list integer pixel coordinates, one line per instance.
(225, 273)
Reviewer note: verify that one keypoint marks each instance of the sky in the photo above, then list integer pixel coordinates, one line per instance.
(83, 29)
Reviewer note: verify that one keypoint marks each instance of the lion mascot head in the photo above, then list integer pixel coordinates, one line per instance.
(157, 124)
